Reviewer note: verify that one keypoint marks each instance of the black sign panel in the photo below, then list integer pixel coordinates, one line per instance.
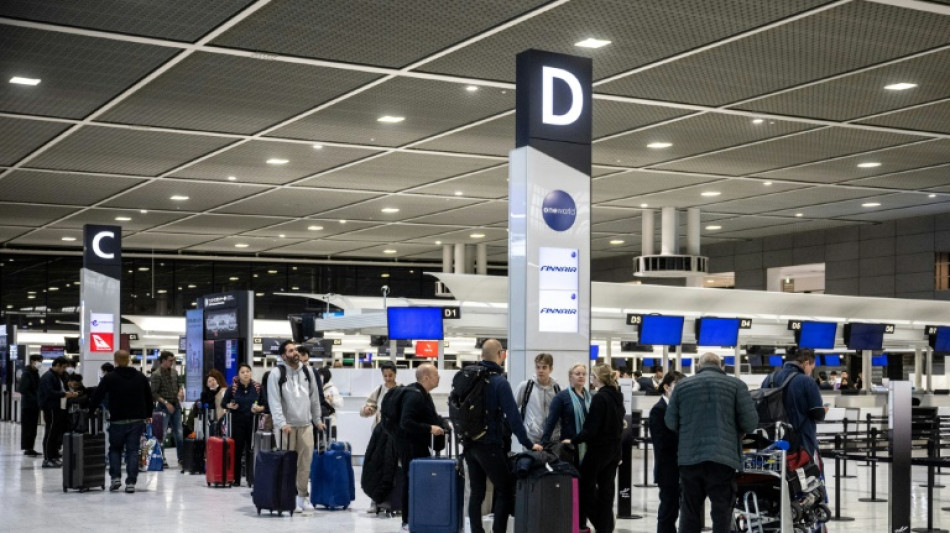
(745, 323)
(451, 313)
(930, 331)
(213, 301)
(102, 249)
(794, 325)
(634, 320)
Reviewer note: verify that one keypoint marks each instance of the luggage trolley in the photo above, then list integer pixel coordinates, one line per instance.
(763, 505)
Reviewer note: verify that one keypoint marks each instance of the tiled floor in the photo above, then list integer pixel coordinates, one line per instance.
(33, 501)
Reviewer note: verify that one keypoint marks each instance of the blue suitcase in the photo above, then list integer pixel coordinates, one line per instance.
(275, 481)
(332, 482)
(430, 481)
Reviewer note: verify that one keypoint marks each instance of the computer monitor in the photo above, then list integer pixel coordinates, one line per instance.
(711, 331)
(661, 329)
(729, 360)
(816, 335)
(858, 336)
(687, 362)
(941, 341)
(422, 323)
(649, 362)
(755, 360)
(832, 359)
(879, 360)
(776, 360)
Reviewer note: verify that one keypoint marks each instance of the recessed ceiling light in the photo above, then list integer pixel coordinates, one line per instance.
(477, 235)
(459, 193)
(438, 242)
(390, 210)
(713, 227)
(54, 288)
(123, 219)
(31, 297)
(869, 164)
(232, 178)
(143, 269)
(658, 145)
(314, 228)
(931, 196)
(341, 222)
(143, 211)
(19, 80)
(295, 288)
(384, 275)
(903, 86)
(871, 204)
(234, 278)
(271, 271)
(318, 147)
(162, 291)
(710, 281)
(241, 245)
(591, 42)
(799, 214)
(258, 294)
(192, 286)
(68, 239)
(178, 197)
(281, 236)
(767, 183)
(644, 205)
(277, 161)
(710, 194)
(390, 119)
(757, 121)
(616, 242)
(471, 88)
(389, 251)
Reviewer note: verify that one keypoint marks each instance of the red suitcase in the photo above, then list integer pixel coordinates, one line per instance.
(219, 461)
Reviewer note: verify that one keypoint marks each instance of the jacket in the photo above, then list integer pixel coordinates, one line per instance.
(298, 404)
(710, 411)
(604, 423)
(379, 466)
(244, 396)
(30, 388)
(665, 443)
(50, 391)
(375, 401)
(165, 385)
(503, 414)
(129, 393)
(417, 417)
(560, 414)
(803, 404)
(536, 410)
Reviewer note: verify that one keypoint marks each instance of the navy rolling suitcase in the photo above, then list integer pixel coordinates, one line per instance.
(275, 481)
(332, 482)
(436, 488)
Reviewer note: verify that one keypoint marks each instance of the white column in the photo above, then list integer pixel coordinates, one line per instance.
(447, 258)
(738, 359)
(469, 259)
(647, 218)
(669, 232)
(918, 368)
(929, 365)
(692, 231)
(666, 359)
(481, 258)
(866, 369)
(679, 359)
(459, 258)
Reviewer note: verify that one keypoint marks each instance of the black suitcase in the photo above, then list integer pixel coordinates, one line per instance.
(546, 503)
(84, 457)
(193, 456)
(263, 441)
(275, 481)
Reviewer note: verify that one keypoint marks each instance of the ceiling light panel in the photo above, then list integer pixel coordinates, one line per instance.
(592, 42)
(396, 233)
(221, 224)
(798, 199)
(482, 214)
(927, 178)
(182, 98)
(860, 94)
(430, 107)
(202, 196)
(103, 68)
(230, 245)
(692, 196)
(490, 184)
(298, 229)
(29, 215)
(20, 137)
(736, 70)
(84, 189)
(934, 117)
(398, 171)
(249, 161)
(409, 207)
(295, 202)
(684, 27)
(104, 216)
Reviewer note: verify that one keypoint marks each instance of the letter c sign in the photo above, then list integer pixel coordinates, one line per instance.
(548, 75)
(96, 244)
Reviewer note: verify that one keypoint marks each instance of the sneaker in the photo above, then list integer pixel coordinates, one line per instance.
(405, 527)
(116, 485)
(300, 501)
(307, 506)
(130, 489)
(32, 453)
(49, 463)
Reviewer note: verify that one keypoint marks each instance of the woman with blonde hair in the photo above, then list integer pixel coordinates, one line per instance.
(601, 433)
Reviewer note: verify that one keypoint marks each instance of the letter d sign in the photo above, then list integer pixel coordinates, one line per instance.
(548, 75)
(553, 99)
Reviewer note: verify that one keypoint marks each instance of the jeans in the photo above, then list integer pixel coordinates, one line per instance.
(173, 422)
(55, 427)
(129, 437)
(489, 461)
(708, 479)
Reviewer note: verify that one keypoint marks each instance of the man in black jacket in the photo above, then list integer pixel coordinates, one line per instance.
(666, 471)
(30, 406)
(54, 415)
(419, 423)
(130, 407)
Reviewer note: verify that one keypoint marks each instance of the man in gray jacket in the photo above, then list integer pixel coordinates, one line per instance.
(294, 401)
(711, 412)
(534, 397)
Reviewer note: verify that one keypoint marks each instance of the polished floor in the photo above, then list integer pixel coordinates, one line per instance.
(33, 501)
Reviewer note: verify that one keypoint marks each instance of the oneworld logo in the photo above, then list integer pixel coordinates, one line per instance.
(553, 268)
(559, 210)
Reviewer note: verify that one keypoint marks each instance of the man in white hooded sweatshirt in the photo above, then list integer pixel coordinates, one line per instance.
(534, 397)
(294, 400)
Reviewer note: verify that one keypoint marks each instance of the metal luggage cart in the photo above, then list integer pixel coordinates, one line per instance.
(763, 470)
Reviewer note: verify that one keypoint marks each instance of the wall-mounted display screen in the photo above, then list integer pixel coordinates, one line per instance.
(661, 329)
(879, 360)
(717, 331)
(303, 327)
(594, 351)
(382, 340)
(72, 344)
(832, 360)
(755, 360)
(776, 360)
(221, 324)
(649, 362)
(941, 341)
(630, 346)
(687, 361)
(729, 360)
(423, 323)
(271, 345)
(52, 352)
(858, 336)
(816, 335)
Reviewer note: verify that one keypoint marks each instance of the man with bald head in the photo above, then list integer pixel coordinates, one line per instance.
(130, 407)
(419, 422)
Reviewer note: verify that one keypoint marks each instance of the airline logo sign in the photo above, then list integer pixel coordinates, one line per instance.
(428, 349)
(559, 210)
(101, 332)
(558, 283)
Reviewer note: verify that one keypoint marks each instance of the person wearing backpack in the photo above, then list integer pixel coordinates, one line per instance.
(419, 422)
(489, 404)
(534, 396)
(294, 401)
(240, 400)
(804, 407)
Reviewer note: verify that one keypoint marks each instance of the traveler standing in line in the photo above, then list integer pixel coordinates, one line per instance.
(375, 399)
(295, 407)
(168, 393)
(646, 384)
(487, 457)
(51, 392)
(241, 401)
(418, 423)
(534, 396)
(710, 412)
(128, 398)
(331, 395)
(666, 473)
(213, 393)
(601, 432)
(30, 406)
(804, 407)
(303, 353)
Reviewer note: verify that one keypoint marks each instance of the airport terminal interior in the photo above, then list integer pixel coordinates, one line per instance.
(211, 178)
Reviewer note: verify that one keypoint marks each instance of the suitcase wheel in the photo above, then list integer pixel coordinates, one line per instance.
(258, 511)
(281, 513)
(65, 489)
(209, 483)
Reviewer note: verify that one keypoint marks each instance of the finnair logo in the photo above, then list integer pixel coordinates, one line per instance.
(552, 268)
(559, 210)
(557, 311)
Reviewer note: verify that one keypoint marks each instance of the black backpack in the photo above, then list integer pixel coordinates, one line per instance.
(390, 410)
(527, 396)
(467, 407)
(773, 419)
